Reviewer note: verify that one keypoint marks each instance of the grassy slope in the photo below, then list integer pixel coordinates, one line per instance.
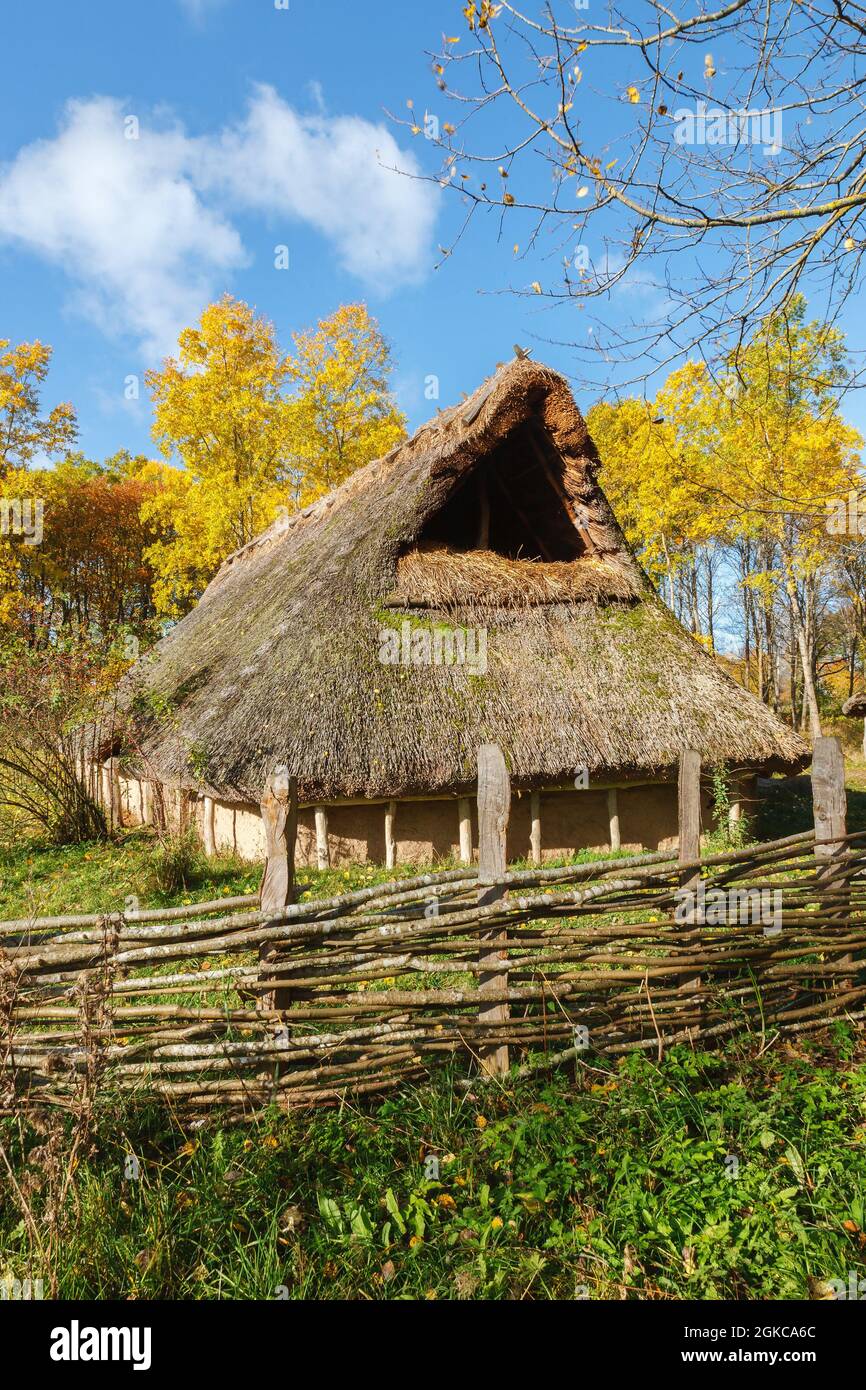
(617, 1184)
(614, 1181)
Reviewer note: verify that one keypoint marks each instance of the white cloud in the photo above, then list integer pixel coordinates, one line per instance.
(335, 173)
(143, 227)
(122, 218)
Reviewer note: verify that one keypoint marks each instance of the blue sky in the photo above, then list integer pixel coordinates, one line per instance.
(257, 127)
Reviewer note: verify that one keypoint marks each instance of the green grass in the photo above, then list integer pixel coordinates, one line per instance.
(47, 880)
(616, 1183)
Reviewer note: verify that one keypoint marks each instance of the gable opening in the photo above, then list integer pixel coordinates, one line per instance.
(513, 503)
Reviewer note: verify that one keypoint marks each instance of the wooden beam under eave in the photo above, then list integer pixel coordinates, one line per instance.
(535, 827)
(613, 818)
(323, 857)
(464, 819)
(208, 816)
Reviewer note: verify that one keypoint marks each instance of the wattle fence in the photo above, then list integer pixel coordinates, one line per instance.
(225, 1004)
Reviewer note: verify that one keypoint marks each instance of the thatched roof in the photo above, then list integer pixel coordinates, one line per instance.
(489, 518)
(856, 706)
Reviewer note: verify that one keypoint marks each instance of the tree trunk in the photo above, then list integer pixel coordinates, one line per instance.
(810, 692)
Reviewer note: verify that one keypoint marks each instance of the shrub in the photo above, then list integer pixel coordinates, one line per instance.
(55, 704)
(177, 861)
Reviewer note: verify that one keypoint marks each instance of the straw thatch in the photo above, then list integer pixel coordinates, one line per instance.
(489, 518)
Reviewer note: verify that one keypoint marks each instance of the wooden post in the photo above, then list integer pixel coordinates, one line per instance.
(464, 817)
(160, 813)
(738, 796)
(830, 808)
(279, 807)
(828, 795)
(535, 827)
(494, 803)
(689, 810)
(689, 792)
(208, 815)
(390, 842)
(323, 858)
(613, 819)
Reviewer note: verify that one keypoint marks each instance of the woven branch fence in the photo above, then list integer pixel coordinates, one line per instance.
(225, 1004)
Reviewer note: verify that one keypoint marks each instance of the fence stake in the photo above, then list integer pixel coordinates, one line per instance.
(689, 813)
(689, 803)
(279, 807)
(828, 796)
(494, 804)
(830, 807)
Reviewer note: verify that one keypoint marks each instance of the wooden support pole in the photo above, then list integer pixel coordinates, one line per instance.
(613, 818)
(483, 538)
(208, 814)
(279, 808)
(494, 803)
(738, 796)
(464, 817)
(323, 857)
(390, 842)
(111, 792)
(160, 814)
(535, 827)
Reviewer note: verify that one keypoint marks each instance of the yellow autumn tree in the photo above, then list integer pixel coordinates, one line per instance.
(784, 454)
(650, 474)
(254, 430)
(741, 461)
(26, 432)
(343, 413)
